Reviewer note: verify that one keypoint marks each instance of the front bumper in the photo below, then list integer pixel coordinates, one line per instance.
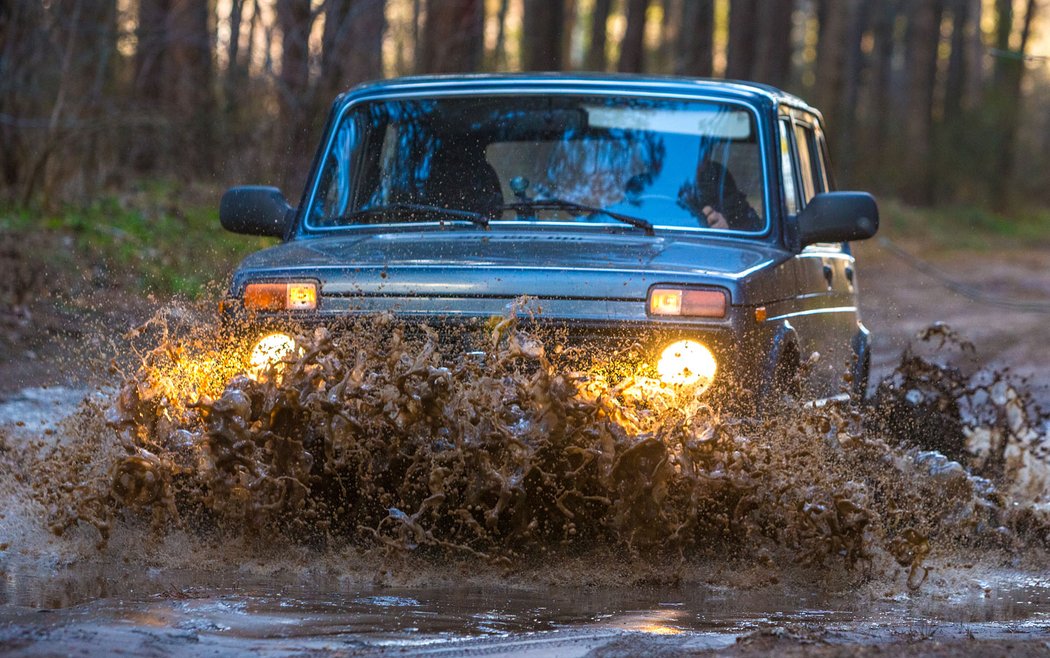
(614, 347)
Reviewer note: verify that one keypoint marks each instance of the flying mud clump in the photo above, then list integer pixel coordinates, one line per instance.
(396, 438)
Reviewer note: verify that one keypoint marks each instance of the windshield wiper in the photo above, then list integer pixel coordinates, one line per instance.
(469, 215)
(522, 207)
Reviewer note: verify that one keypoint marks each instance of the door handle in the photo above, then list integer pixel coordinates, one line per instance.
(849, 275)
(829, 274)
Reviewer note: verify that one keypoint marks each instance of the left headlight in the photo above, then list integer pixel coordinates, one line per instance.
(687, 363)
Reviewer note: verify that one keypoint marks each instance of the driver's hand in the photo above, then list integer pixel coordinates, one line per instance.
(714, 218)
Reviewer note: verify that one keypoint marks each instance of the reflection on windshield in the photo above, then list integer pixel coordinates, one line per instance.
(673, 163)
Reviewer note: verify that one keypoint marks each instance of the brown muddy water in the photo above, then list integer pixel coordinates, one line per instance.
(394, 488)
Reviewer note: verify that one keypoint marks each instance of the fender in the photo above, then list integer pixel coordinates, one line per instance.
(785, 340)
(861, 361)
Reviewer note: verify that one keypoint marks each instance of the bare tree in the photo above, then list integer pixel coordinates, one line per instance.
(453, 36)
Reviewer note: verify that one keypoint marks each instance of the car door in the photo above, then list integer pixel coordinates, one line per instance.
(827, 315)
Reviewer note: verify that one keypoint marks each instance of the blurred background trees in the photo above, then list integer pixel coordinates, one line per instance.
(933, 101)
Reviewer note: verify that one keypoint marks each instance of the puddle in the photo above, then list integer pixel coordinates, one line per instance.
(189, 612)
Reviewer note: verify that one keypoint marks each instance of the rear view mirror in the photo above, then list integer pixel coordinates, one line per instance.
(838, 217)
(255, 210)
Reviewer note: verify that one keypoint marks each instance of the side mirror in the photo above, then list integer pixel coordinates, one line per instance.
(838, 217)
(255, 210)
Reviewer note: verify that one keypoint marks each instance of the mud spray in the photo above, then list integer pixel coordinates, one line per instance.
(391, 449)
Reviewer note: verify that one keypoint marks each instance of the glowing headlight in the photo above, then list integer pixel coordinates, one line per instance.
(270, 350)
(687, 363)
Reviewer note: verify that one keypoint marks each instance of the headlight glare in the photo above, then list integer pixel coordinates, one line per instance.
(270, 350)
(687, 363)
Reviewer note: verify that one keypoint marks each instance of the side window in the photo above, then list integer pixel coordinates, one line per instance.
(807, 159)
(787, 166)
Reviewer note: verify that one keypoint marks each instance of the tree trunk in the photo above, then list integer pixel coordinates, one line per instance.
(975, 56)
(295, 19)
(632, 50)
(500, 55)
(878, 142)
(696, 39)
(831, 59)
(152, 36)
(569, 11)
(740, 55)
(453, 36)
(188, 92)
(923, 41)
(663, 60)
(599, 24)
(845, 133)
(1009, 77)
(351, 45)
(543, 27)
(955, 84)
(773, 44)
(232, 79)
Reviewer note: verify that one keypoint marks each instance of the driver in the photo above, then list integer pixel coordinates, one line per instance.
(716, 200)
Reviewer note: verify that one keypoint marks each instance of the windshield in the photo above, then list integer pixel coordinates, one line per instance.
(680, 164)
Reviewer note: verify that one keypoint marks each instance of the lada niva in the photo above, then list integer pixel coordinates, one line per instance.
(697, 219)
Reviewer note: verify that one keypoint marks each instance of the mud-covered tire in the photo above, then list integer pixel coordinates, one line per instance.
(785, 386)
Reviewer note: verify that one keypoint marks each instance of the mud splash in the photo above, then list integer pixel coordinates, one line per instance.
(396, 439)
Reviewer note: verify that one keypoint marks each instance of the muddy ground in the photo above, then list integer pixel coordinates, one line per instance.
(51, 604)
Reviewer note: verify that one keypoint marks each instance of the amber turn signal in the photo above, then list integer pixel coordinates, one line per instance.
(280, 296)
(687, 303)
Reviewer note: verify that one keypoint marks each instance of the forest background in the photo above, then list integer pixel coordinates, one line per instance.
(929, 101)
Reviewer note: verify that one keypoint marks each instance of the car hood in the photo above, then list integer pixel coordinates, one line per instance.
(507, 263)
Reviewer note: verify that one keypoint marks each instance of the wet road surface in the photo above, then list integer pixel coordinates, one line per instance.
(160, 612)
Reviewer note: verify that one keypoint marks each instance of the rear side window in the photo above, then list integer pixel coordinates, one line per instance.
(787, 166)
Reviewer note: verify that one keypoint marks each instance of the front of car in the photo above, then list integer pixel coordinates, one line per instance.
(624, 211)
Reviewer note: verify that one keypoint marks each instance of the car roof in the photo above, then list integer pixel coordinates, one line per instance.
(574, 82)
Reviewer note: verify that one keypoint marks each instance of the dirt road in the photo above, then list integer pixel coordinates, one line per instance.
(897, 301)
(313, 607)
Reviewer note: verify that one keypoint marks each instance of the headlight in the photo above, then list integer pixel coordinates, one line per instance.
(269, 351)
(295, 296)
(684, 302)
(687, 363)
